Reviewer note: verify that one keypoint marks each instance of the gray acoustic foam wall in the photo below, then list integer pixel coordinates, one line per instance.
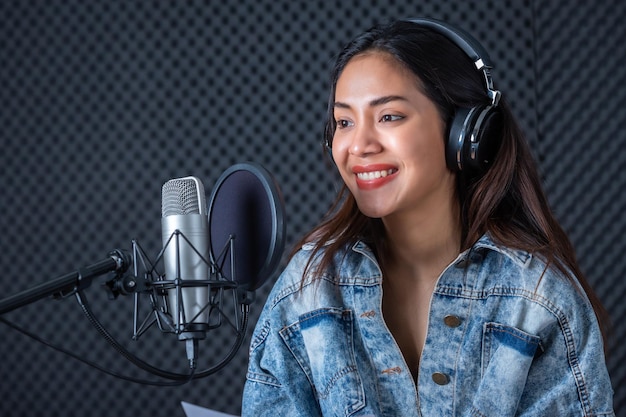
(101, 102)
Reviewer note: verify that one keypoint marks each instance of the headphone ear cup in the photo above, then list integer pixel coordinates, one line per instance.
(457, 138)
(474, 138)
(328, 148)
(485, 139)
(329, 152)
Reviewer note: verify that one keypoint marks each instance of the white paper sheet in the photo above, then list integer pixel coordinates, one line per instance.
(192, 410)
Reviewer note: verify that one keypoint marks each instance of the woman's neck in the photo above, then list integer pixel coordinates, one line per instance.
(422, 246)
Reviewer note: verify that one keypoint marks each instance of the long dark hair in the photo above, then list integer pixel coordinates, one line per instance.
(507, 201)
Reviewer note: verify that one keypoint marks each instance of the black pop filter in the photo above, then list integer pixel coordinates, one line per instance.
(246, 203)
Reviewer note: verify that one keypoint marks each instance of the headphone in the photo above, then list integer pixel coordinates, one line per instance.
(474, 135)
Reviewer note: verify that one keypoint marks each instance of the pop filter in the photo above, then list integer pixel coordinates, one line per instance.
(246, 204)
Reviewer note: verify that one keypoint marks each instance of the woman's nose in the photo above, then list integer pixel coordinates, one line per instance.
(365, 140)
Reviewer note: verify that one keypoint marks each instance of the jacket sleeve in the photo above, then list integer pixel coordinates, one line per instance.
(276, 383)
(569, 376)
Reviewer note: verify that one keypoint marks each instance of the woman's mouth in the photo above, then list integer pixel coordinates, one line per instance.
(371, 177)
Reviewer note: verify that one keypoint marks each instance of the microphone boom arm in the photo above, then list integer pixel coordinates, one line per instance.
(68, 284)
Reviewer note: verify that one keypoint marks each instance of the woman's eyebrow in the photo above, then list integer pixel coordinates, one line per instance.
(375, 102)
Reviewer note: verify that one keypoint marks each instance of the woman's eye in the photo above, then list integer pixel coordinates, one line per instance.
(390, 118)
(342, 124)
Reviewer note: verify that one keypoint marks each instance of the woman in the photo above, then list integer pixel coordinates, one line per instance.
(440, 284)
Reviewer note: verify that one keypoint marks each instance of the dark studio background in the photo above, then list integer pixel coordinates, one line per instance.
(101, 102)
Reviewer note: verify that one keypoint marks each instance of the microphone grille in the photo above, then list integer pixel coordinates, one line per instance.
(183, 196)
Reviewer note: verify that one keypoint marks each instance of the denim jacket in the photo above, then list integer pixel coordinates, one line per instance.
(505, 337)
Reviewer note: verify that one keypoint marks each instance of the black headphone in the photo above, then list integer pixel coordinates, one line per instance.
(475, 133)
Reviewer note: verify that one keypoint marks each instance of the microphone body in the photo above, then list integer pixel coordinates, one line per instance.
(185, 254)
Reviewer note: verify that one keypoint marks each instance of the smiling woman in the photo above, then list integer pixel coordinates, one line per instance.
(387, 125)
(440, 284)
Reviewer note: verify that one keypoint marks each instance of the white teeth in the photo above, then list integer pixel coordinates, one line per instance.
(374, 174)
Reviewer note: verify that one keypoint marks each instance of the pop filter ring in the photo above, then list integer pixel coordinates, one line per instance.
(276, 210)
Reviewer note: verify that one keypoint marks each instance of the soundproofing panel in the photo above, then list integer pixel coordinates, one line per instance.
(101, 102)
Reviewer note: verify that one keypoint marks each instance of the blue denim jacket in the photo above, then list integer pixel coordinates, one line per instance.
(505, 338)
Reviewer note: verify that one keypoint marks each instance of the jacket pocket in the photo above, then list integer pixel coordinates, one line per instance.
(507, 354)
(322, 342)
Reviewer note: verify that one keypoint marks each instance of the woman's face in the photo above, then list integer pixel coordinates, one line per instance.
(389, 140)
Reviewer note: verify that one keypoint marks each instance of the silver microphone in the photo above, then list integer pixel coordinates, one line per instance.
(184, 210)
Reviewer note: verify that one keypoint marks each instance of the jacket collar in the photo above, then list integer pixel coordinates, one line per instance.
(520, 257)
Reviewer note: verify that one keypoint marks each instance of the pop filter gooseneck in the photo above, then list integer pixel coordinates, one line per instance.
(246, 215)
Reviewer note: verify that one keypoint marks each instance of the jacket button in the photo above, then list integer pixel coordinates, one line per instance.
(440, 378)
(452, 321)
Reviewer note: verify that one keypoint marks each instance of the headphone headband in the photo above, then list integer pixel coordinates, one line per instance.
(469, 45)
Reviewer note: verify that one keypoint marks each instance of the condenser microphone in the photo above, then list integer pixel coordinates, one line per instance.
(185, 253)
